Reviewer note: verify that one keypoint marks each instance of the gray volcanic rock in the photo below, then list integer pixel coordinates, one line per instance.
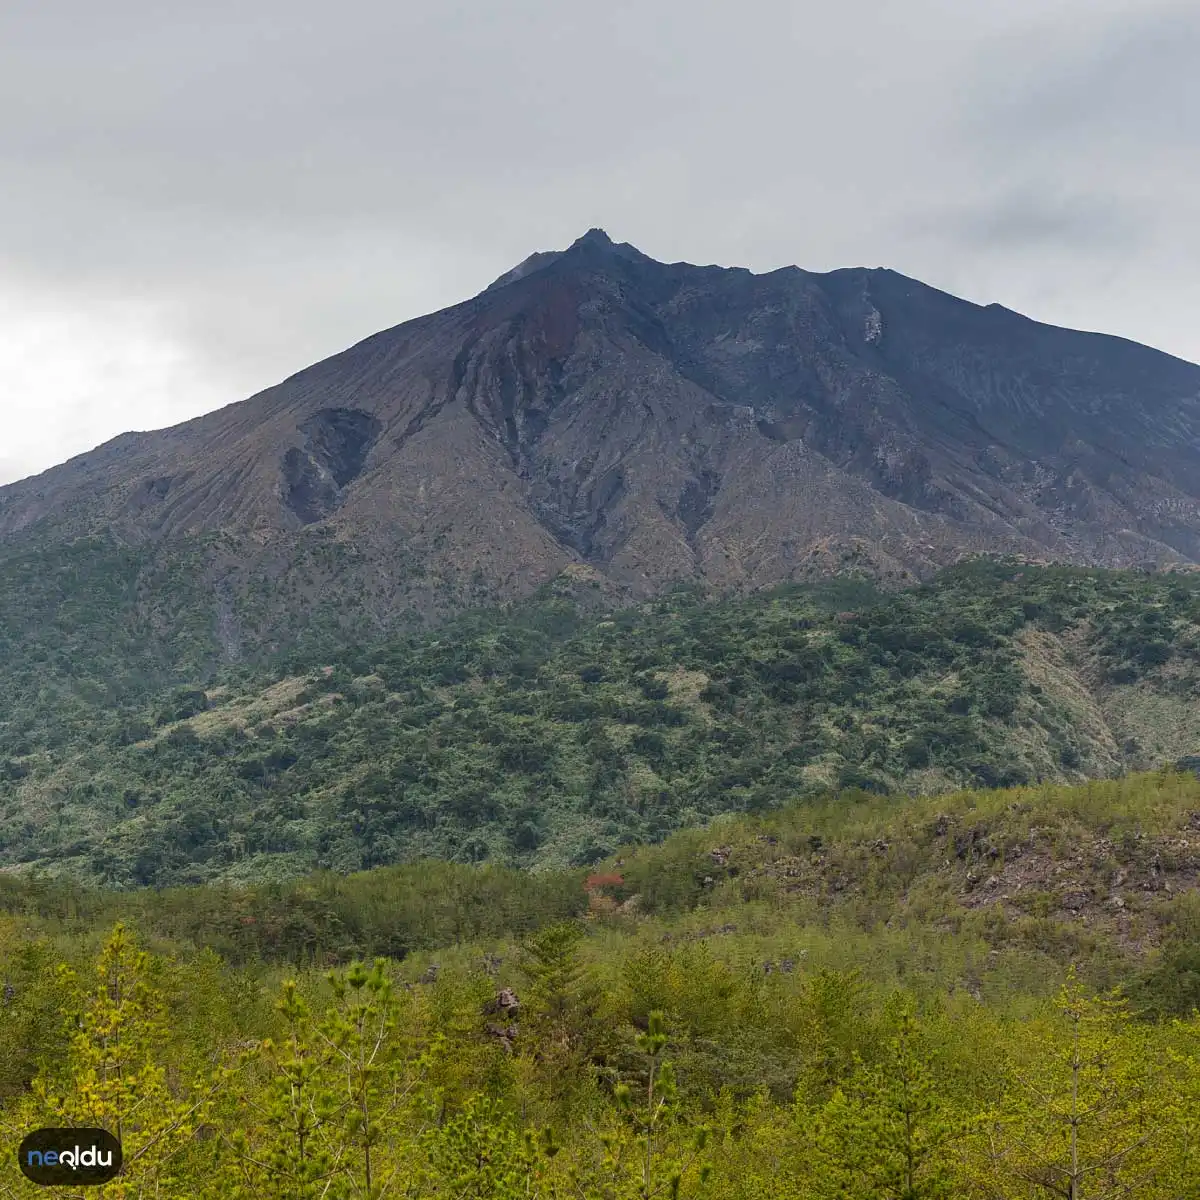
(661, 422)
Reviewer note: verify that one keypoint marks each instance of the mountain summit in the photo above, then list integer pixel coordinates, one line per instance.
(657, 422)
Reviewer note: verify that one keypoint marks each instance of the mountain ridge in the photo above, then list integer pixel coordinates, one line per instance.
(659, 423)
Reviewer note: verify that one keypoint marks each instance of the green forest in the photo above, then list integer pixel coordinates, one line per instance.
(983, 994)
(825, 892)
(550, 732)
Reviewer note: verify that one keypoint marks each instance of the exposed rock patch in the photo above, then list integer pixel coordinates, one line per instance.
(333, 454)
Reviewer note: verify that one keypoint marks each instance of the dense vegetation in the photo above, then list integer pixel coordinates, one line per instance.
(977, 995)
(549, 733)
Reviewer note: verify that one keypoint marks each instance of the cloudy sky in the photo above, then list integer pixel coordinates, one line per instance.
(197, 200)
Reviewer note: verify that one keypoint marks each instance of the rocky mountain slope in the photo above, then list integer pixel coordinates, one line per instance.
(655, 422)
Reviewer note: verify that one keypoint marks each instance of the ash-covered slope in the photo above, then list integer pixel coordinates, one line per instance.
(662, 422)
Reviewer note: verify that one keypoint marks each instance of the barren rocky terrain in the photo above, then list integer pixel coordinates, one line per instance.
(655, 422)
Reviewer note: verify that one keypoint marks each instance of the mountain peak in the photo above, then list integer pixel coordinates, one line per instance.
(594, 237)
(593, 246)
(665, 421)
(596, 246)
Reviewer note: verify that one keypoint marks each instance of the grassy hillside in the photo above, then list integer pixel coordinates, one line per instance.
(1103, 872)
(547, 735)
(804, 985)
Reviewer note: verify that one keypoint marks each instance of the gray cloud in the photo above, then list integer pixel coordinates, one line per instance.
(1026, 221)
(1132, 79)
(201, 200)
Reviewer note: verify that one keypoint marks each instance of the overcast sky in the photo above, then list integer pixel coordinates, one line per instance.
(199, 199)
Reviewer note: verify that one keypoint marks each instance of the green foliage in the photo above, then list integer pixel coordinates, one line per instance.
(375, 1060)
(30, 1020)
(481, 1153)
(542, 736)
(900, 1035)
(890, 1130)
(653, 1149)
(1079, 1115)
(321, 918)
(117, 1074)
(300, 1113)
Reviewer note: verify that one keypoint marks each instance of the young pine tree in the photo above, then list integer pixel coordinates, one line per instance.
(1081, 1116)
(287, 1146)
(558, 1021)
(481, 1155)
(888, 1133)
(114, 1076)
(373, 1059)
(655, 1153)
